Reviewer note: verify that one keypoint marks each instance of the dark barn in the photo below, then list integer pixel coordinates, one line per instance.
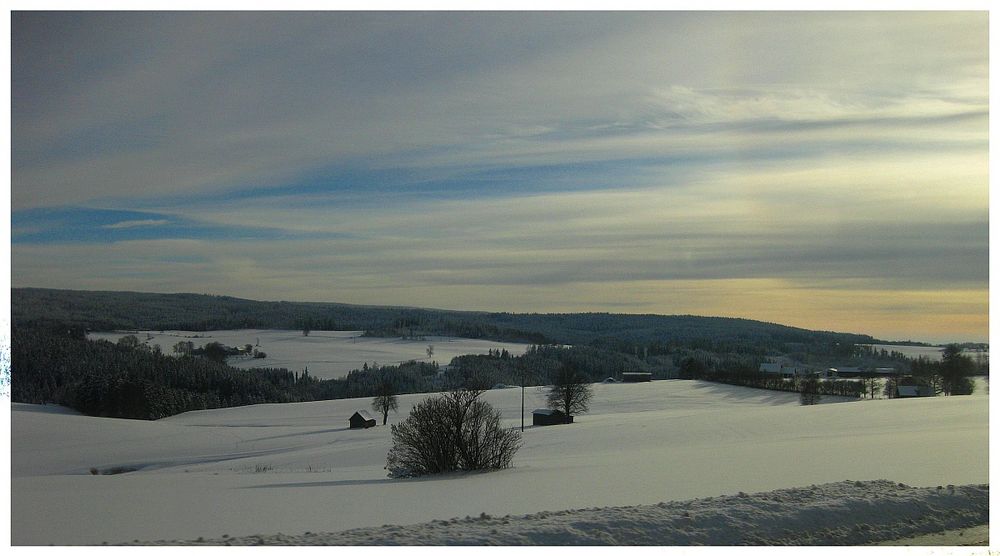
(542, 417)
(362, 420)
(914, 391)
(637, 377)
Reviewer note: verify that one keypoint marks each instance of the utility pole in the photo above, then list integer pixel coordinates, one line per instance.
(522, 395)
(522, 403)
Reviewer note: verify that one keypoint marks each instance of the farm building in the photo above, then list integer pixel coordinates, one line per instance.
(637, 377)
(847, 372)
(542, 417)
(362, 420)
(855, 372)
(914, 391)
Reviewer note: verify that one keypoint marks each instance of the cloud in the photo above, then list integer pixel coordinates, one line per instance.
(135, 224)
(735, 163)
(212, 102)
(87, 226)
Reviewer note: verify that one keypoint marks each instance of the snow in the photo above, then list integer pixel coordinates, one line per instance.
(847, 512)
(930, 352)
(292, 468)
(327, 354)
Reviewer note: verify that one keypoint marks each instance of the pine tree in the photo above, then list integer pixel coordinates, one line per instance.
(809, 393)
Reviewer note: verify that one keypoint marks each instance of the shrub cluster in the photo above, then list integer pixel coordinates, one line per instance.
(451, 432)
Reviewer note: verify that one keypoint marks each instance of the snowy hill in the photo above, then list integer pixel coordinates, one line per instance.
(292, 468)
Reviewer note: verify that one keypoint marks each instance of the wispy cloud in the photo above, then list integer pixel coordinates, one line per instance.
(87, 226)
(135, 224)
(515, 161)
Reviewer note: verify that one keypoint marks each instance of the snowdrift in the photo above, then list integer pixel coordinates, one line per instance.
(844, 513)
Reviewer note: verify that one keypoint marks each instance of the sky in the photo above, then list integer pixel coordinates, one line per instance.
(827, 170)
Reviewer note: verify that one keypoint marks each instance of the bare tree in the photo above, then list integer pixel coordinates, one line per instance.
(570, 392)
(385, 397)
(454, 431)
(184, 347)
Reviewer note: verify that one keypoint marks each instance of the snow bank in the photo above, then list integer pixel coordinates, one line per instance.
(843, 513)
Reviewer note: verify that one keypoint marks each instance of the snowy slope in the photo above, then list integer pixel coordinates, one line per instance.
(842, 513)
(296, 467)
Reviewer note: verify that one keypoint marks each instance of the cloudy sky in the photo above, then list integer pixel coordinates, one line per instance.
(823, 170)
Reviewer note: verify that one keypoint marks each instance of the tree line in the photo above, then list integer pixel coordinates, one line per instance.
(55, 363)
(128, 379)
(108, 379)
(639, 335)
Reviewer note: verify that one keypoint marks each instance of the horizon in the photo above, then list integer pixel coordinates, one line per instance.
(884, 341)
(820, 170)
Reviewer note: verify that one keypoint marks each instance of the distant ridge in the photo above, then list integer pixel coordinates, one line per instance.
(123, 310)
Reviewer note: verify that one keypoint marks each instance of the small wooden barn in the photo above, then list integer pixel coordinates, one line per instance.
(362, 420)
(914, 391)
(542, 417)
(637, 377)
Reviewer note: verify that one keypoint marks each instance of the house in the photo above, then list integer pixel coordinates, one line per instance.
(637, 377)
(542, 417)
(847, 372)
(770, 368)
(856, 372)
(914, 391)
(362, 419)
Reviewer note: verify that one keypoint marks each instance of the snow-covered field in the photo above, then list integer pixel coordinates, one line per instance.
(296, 468)
(930, 352)
(327, 354)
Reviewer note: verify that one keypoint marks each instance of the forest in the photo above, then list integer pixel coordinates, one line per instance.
(127, 379)
(645, 335)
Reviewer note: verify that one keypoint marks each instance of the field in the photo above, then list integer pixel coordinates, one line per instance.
(296, 468)
(932, 353)
(327, 354)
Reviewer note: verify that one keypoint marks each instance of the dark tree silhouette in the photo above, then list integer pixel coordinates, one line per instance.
(215, 351)
(570, 392)
(454, 431)
(128, 342)
(809, 393)
(385, 396)
(184, 347)
(955, 369)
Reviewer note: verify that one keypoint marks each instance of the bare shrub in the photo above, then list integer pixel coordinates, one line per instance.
(454, 431)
